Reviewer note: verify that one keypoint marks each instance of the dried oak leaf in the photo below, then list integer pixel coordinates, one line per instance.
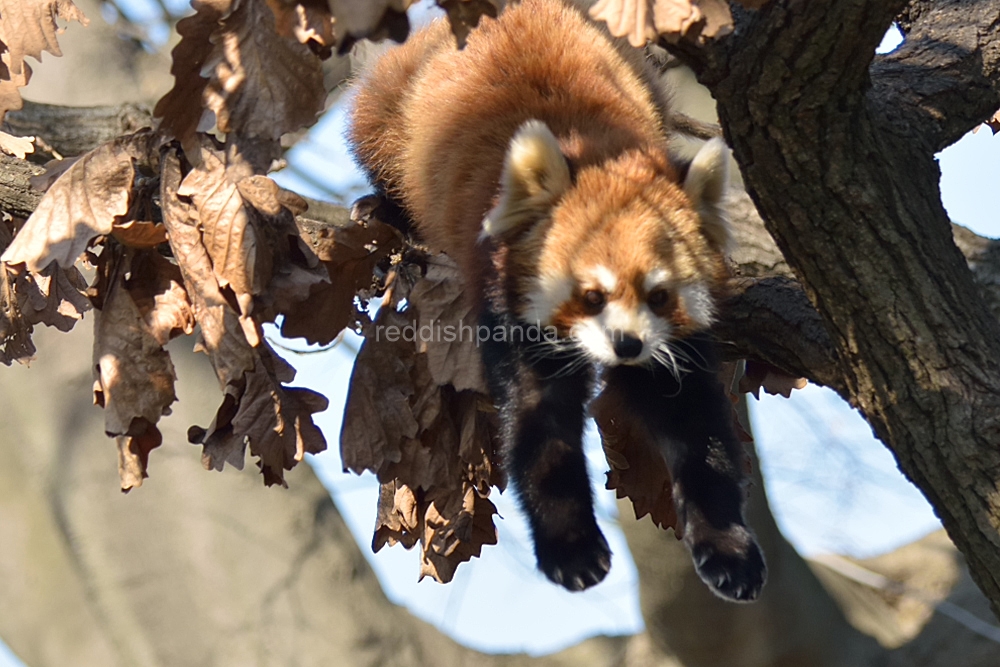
(259, 84)
(638, 470)
(29, 27)
(133, 375)
(82, 204)
(350, 252)
(133, 454)
(398, 518)
(760, 375)
(55, 297)
(632, 19)
(15, 332)
(157, 289)
(378, 418)
(19, 147)
(294, 268)
(274, 420)
(10, 87)
(643, 20)
(222, 333)
(308, 21)
(239, 258)
(464, 15)
(447, 317)
(139, 234)
(456, 526)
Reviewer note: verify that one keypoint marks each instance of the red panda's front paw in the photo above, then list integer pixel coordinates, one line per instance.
(731, 564)
(575, 564)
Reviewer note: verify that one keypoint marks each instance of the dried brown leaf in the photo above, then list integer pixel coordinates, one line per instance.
(632, 19)
(464, 15)
(222, 332)
(81, 205)
(760, 375)
(350, 254)
(275, 421)
(398, 518)
(643, 20)
(29, 27)
(260, 84)
(133, 374)
(378, 418)
(226, 233)
(157, 288)
(133, 455)
(139, 234)
(53, 170)
(17, 146)
(15, 332)
(55, 297)
(183, 106)
(447, 326)
(456, 526)
(717, 20)
(638, 470)
(307, 21)
(10, 93)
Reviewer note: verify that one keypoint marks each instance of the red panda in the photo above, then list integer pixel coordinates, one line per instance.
(537, 158)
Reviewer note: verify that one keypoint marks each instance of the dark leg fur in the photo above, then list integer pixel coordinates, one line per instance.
(692, 422)
(542, 412)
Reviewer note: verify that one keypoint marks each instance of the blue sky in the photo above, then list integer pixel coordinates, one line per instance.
(832, 486)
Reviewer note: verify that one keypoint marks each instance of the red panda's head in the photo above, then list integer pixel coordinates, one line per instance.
(623, 259)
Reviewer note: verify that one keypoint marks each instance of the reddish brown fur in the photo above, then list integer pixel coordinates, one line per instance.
(432, 125)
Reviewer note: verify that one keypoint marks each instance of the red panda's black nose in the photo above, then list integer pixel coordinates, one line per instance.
(626, 345)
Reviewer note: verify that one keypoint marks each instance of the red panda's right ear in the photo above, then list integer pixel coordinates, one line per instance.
(535, 175)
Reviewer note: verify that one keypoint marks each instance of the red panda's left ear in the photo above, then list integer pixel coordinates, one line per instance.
(706, 184)
(535, 175)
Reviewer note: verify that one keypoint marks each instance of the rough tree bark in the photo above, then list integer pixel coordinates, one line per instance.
(837, 152)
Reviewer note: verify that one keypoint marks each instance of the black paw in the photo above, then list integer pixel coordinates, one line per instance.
(736, 574)
(575, 564)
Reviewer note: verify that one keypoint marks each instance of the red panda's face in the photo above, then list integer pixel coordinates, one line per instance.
(622, 286)
(623, 259)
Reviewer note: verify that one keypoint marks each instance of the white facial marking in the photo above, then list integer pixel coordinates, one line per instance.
(605, 278)
(597, 334)
(654, 279)
(697, 301)
(548, 294)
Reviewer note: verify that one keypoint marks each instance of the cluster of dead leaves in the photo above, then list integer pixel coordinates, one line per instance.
(418, 416)
(173, 245)
(643, 21)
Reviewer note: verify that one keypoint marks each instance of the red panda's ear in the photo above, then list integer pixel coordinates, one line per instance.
(535, 175)
(706, 184)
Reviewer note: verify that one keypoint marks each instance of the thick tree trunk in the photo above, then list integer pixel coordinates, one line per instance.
(838, 155)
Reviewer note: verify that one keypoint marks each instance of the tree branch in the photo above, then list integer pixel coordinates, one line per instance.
(945, 78)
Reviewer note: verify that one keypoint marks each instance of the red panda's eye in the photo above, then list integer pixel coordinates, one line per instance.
(658, 298)
(594, 300)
